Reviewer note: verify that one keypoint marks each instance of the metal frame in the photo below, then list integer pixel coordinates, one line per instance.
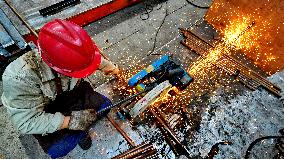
(94, 14)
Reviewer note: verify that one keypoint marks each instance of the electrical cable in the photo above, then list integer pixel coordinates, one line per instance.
(157, 32)
(215, 149)
(197, 6)
(148, 9)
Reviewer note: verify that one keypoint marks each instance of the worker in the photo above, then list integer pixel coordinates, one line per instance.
(45, 93)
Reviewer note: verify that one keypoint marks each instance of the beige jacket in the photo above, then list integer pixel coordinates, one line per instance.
(29, 85)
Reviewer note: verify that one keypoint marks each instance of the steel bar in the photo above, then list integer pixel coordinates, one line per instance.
(138, 152)
(146, 154)
(21, 18)
(5, 40)
(121, 131)
(164, 125)
(169, 141)
(144, 147)
(130, 151)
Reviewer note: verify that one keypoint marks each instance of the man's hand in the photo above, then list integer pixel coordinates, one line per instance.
(81, 120)
(65, 123)
(108, 68)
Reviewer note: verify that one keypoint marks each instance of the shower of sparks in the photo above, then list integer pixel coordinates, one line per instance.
(206, 76)
(239, 34)
(256, 42)
(251, 42)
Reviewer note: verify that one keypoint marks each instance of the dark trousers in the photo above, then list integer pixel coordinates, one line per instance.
(61, 142)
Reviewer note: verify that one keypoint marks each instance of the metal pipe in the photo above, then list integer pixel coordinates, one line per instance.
(21, 18)
(121, 131)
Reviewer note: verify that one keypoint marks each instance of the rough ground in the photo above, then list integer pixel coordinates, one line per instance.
(241, 120)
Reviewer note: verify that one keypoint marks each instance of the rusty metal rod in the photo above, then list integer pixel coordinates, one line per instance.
(169, 141)
(169, 131)
(146, 154)
(103, 54)
(21, 18)
(121, 131)
(243, 67)
(131, 151)
(138, 152)
(165, 126)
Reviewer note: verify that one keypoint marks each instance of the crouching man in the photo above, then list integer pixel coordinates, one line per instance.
(44, 93)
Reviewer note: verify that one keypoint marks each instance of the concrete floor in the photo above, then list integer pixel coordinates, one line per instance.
(127, 39)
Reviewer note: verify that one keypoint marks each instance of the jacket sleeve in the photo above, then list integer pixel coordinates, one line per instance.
(25, 102)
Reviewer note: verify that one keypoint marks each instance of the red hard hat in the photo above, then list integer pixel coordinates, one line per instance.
(68, 49)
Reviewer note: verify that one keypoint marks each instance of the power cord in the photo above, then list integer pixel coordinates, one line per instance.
(148, 9)
(157, 32)
(197, 6)
(258, 140)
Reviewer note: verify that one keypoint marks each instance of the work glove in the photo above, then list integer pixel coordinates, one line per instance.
(108, 68)
(81, 120)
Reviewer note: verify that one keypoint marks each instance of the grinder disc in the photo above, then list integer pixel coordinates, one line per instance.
(159, 91)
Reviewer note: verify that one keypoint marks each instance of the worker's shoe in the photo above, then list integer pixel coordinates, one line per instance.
(85, 143)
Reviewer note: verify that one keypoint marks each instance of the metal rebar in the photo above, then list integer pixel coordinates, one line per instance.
(124, 154)
(146, 154)
(138, 152)
(121, 131)
(168, 130)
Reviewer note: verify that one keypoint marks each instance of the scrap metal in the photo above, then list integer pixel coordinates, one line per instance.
(232, 66)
